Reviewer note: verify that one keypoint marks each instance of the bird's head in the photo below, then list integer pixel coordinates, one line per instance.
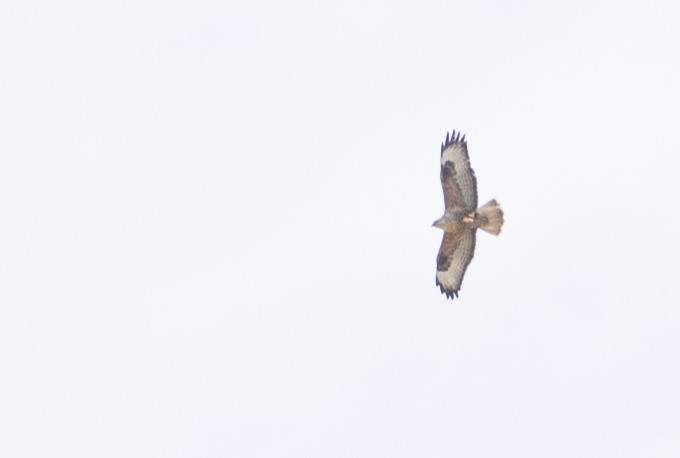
(439, 223)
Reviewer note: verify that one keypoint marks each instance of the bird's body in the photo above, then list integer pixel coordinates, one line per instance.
(461, 217)
(457, 221)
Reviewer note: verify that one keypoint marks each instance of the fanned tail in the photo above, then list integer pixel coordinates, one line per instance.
(491, 217)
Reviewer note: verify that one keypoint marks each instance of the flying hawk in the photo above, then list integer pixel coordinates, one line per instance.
(461, 215)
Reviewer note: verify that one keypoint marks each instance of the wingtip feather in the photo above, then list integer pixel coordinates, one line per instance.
(453, 138)
(449, 293)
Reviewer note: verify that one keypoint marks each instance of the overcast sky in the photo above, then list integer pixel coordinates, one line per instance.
(215, 232)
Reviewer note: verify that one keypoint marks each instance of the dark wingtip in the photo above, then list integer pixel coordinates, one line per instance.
(452, 294)
(449, 293)
(454, 138)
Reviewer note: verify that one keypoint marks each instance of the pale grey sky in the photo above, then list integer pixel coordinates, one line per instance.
(215, 236)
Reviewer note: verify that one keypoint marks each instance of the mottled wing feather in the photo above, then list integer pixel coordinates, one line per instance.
(454, 256)
(455, 167)
(453, 196)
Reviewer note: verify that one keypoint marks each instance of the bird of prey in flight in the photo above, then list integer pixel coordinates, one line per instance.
(461, 217)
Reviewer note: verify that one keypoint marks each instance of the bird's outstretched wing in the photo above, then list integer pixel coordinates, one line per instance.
(455, 254)
(458, 178)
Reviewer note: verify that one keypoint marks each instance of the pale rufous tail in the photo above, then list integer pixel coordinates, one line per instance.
(492, 217)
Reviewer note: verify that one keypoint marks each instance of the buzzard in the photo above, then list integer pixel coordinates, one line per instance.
(461, 215)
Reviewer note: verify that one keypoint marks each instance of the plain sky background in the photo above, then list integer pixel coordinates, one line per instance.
(215, 230)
